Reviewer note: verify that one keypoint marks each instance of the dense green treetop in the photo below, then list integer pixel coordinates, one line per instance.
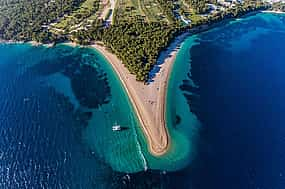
(138, 32)
(29, 19)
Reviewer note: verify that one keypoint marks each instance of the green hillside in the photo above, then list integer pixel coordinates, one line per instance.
(135, 30)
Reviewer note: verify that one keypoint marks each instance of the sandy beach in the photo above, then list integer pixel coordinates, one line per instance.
(149, 101)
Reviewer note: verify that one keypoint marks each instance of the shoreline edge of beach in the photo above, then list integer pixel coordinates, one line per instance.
(148, 101)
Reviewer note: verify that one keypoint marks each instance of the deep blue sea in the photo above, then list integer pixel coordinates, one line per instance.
(235, 85)
(57, 106)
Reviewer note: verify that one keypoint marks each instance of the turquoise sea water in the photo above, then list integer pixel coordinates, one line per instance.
(224, 114)
(58, 106)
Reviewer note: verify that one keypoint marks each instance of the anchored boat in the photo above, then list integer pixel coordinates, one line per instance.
(116, 127)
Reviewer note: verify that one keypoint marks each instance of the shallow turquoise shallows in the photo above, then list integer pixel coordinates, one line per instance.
(183, 136)
(125, 151)
(121, 150)
(58, 106)
(91, 86)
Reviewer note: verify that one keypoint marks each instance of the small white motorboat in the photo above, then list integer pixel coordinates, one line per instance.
(116, 127)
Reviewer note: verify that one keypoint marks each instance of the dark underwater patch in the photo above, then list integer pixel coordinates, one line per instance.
(89, 83)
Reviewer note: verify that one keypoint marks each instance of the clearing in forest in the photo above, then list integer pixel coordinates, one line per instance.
(138, 10)
(77, 20)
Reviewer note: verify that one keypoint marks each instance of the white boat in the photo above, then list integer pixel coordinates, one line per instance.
(116, 127)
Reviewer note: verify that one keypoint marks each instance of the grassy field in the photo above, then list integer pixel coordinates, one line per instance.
(188, 12)
(153, 11)
(87, 11)
(125, 11)
(136, 10)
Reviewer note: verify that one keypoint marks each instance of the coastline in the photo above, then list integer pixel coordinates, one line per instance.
(273, 12)
(206, 27)
(149, 101)
(132, 88)
(32, 43)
